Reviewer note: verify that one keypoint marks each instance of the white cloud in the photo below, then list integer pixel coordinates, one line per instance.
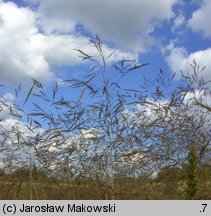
(6, 105)
(18, 59)
(178, 59)
(61, 49)
(199, 19)
(9, 97)
(178, 22)
(119, 21)
(13, 134)
(193, 95)
(201, 96)
(11, 123)
(91, 133)
(28, 53)
(56, 25)
(146, 112)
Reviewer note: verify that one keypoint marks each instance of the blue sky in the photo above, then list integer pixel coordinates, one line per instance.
(39, 38)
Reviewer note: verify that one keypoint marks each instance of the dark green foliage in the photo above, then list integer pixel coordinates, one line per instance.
(192, 173)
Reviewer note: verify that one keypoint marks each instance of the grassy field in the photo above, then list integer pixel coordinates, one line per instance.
(39, 186)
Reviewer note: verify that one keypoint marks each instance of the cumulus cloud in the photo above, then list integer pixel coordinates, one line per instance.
(176, 57)
(13, 134)
(191, 97)
(146, 112)
(198, 21)
(18, 59)
(61, 49)
(118, 21)
(26, 52)
(179, 59)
